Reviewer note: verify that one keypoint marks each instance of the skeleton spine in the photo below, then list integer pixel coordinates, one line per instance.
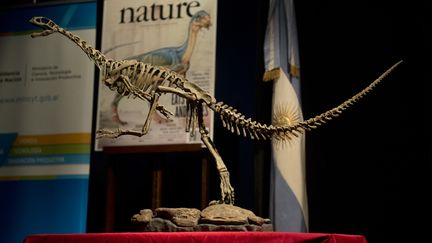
(236, 122)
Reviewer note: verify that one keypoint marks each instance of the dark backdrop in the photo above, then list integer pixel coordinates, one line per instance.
(368, 171)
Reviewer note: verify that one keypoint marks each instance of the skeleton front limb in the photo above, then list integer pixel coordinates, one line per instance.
(152, 110)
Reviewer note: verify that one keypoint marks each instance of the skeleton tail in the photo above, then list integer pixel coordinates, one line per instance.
(50, 27)
(236, 122)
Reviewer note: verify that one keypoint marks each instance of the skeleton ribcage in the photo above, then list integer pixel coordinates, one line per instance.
(140, 77)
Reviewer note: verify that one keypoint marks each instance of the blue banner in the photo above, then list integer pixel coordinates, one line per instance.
(70, 16)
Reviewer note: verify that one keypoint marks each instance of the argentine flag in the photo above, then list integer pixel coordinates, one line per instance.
(288, 198)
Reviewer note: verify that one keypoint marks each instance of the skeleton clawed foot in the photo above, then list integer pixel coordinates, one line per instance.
(228, 199)
(227, 191)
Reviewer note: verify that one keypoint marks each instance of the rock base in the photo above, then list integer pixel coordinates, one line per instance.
(219, 217)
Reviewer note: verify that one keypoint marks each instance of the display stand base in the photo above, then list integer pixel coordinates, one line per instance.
(218, 217)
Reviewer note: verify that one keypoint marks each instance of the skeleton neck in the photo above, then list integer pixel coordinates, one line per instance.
(95, 55)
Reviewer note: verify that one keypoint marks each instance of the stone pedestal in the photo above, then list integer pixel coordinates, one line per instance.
(218, 217)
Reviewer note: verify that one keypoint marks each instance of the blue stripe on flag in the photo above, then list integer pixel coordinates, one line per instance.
(286, 220)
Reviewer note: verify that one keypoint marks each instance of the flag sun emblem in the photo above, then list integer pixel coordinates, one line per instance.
(285, 114)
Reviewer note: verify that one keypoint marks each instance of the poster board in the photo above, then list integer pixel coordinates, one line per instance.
(46, 97)
(160, 33)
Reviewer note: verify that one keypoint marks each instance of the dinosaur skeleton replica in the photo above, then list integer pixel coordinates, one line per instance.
(135, 79)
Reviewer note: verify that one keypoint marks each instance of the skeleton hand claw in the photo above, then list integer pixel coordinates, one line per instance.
(166, 113)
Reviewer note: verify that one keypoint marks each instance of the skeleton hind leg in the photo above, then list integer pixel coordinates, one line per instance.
(227, 191)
